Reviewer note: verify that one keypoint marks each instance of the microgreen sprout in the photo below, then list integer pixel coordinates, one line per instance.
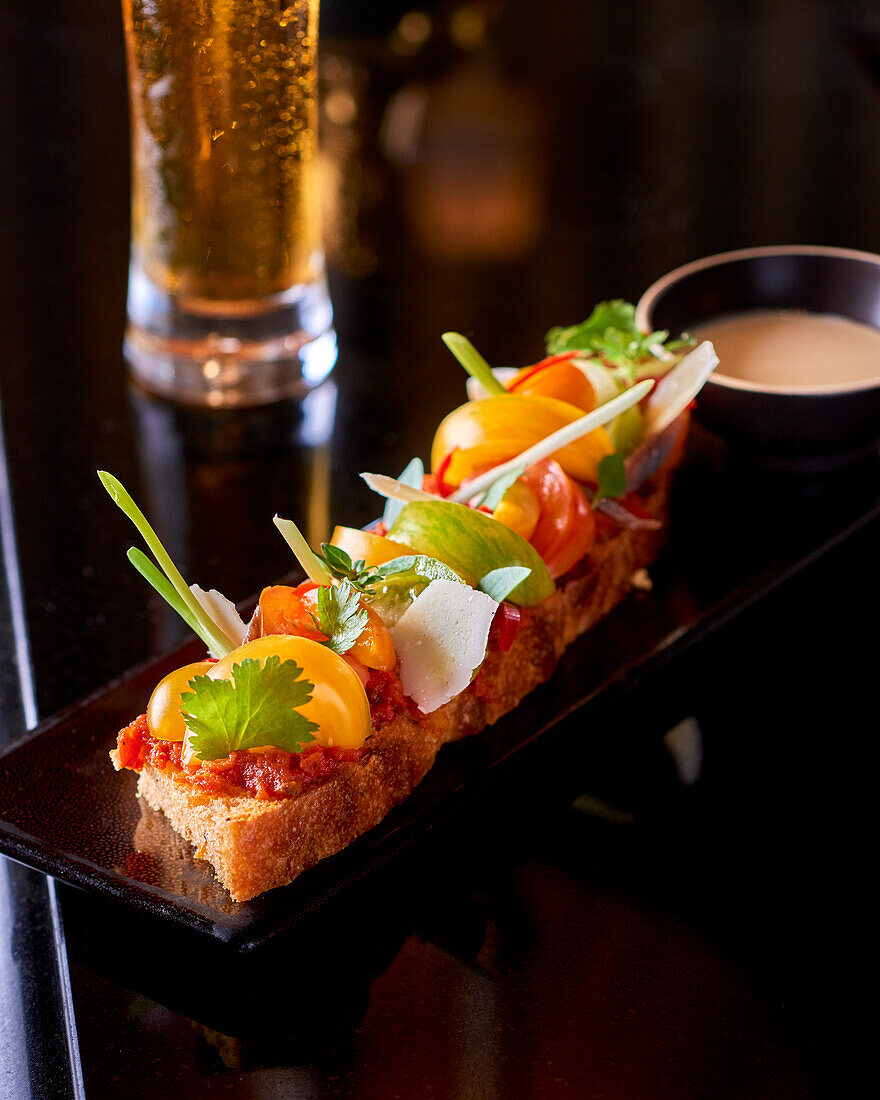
(412, 475)
(342, 567)
(611, 333)
(163, 586)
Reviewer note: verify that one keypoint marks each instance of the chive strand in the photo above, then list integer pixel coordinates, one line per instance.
(154, 577)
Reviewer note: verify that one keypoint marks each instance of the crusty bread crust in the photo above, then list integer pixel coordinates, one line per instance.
(256, 845)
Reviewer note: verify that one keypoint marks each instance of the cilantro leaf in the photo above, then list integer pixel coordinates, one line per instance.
(341, 566)
(611, 333)
(340, 616)
(617, 314)
(257, 707)
(612, 478)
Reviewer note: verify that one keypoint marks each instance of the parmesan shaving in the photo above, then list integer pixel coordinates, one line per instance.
(222, 612)
(675, 390)
(441, 639)
(390, 487)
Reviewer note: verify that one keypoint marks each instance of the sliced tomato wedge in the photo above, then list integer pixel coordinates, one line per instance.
(555, 493)
(505, 626)
(374, 648)
(566, 527)
(581, 536)
(436, 483)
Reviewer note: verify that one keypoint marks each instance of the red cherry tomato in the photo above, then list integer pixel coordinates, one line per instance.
(579, 541)
(555, 493)
(566, 527)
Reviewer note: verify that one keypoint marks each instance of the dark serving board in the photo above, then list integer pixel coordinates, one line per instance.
(737, 531)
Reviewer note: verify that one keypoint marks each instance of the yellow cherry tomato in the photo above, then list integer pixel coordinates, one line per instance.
(558, 378)
(164, 719)
(339, 703)
(519, 509)
(364, 546)
(489, 431)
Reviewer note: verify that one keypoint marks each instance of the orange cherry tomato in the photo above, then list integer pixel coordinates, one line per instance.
(367, 546)
(556, 377)
(483, 433)
(519, 509)
(374, 648)
(566, 527)
(287, 610)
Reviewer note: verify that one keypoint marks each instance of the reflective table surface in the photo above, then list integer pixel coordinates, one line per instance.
(655, 915)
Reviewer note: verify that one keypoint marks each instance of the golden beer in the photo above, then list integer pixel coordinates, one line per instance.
(223, 109)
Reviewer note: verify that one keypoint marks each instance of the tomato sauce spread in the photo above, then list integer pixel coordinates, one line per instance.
(387, 700)
(271, 774)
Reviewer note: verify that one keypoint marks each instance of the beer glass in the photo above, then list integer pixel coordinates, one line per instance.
(227, 296)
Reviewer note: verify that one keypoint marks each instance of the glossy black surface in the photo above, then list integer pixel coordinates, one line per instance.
(702, 940)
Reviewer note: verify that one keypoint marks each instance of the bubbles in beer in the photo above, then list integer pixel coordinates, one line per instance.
(224, 201)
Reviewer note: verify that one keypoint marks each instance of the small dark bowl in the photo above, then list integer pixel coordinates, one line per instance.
(794, 427)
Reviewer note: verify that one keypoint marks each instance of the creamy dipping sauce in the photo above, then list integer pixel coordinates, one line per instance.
(791, 349)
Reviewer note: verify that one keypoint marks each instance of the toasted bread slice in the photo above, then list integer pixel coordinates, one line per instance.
(255, 845)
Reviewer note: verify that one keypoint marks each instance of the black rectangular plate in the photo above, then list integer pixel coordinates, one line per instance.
(65, 811)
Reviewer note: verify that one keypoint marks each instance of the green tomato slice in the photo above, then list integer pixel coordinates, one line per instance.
(472, 544)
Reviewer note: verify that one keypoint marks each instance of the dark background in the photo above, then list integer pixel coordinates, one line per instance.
(708, 940)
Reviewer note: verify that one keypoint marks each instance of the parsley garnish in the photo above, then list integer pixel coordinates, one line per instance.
(340, 616)
(341, 566)
(610, 332)
(257, 707)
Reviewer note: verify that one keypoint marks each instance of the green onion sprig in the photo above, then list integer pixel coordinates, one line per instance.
(476, 366)
(172, 588)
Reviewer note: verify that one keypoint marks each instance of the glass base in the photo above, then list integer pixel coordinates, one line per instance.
(228, 354)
